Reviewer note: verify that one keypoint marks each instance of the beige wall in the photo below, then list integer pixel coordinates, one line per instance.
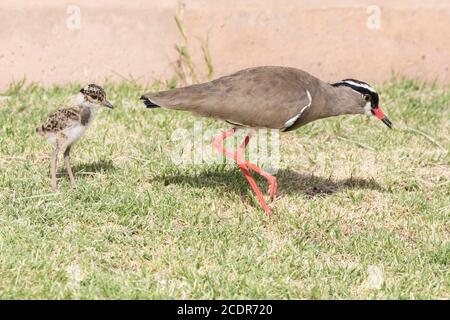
(330, 39)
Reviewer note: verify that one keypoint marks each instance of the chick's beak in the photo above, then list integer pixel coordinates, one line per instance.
(107, 104)
(380, 115)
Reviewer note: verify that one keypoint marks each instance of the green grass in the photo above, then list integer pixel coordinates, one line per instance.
(352, 195)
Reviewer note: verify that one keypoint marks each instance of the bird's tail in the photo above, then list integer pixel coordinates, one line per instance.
(40, 130)
(148, 103)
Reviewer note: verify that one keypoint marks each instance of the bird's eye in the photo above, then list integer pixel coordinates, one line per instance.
(367, 97)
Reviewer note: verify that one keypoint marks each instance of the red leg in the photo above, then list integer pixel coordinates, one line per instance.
(271, 180)
(242, 164)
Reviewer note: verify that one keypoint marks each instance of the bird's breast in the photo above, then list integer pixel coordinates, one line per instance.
(86, 116)
(74, 133)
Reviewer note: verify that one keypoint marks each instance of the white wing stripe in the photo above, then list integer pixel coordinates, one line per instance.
(292, 120)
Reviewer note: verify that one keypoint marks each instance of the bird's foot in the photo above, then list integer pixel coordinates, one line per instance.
(272, 187)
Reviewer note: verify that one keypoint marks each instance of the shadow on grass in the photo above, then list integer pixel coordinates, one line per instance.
(289, 182)
(93, 167)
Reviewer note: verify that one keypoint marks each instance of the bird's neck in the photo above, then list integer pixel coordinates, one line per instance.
(336, 101)
(329, 101)
(81, 102)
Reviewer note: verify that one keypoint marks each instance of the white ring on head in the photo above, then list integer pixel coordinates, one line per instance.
(361, 85)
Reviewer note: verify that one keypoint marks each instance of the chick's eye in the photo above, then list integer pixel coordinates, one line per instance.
(367, 97)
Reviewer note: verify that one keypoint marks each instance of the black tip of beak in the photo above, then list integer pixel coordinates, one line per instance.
(387, 122)
(376, 111)
(108, 105)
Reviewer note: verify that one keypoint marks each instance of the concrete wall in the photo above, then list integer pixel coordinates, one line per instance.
(329, 39)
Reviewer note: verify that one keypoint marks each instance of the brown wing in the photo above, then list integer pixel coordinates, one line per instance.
(255, 97)
(60, 120)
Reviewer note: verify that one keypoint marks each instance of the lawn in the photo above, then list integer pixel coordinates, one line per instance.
(362, 211)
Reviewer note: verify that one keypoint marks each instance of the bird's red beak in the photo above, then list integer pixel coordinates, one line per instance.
(380, 115)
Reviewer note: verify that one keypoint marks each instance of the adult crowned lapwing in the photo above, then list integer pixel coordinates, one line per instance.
(268, 97)
(66, 126)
